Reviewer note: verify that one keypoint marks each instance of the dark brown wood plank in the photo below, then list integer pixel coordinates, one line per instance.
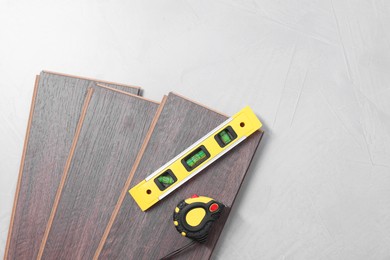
(112, 131)
(55, 111)
(134, 234)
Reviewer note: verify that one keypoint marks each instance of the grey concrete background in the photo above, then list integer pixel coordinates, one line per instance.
(317, 72)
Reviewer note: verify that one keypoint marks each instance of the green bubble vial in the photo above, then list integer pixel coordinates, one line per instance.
(196, 158)
(225, 137)
(166, 180)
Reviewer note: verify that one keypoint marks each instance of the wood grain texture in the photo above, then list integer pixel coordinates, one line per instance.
(112, 132)
(55, 111)
(150, 235)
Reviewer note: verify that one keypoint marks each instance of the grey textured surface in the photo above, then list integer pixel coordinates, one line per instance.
(316, 72)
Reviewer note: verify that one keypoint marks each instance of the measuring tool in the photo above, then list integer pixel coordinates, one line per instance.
(195, 158)
(194, 217)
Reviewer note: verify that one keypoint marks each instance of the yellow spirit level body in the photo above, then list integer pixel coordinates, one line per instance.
(195, 158)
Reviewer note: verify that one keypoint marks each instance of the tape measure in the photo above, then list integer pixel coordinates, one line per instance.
(195, 158)
(194, 217)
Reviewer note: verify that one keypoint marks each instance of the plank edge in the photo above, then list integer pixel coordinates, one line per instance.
(125, 93)
(92, 79)
(65, 173)
(21, 167)
(261, 132)
(200, 104)
(130, 177)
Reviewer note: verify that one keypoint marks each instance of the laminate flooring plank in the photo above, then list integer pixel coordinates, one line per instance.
(133, 234)
(55, 111)
(110, 134)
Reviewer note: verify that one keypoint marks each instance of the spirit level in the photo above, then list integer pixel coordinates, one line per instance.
(195, 158)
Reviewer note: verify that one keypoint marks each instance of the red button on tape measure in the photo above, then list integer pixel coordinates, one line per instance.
(213, 207)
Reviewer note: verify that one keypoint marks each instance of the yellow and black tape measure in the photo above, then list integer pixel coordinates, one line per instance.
(194, 217)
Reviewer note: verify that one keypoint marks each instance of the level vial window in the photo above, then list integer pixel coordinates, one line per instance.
(165, 180)
(226, 136)
(195, 158)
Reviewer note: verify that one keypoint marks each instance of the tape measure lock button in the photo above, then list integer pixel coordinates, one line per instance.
(213, 207)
